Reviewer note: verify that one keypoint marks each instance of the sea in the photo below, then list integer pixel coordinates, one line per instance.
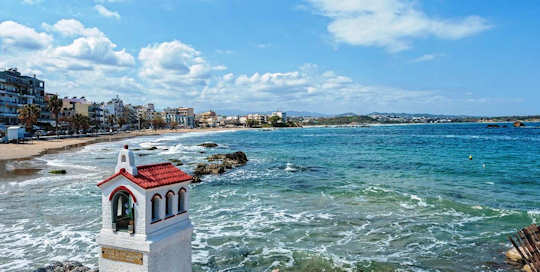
(434, 197)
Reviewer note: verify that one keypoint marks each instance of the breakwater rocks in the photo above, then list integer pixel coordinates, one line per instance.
(222, 163)
(68, 266)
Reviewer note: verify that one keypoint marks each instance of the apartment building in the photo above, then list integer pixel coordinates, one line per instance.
(184, 117)
(16, 91)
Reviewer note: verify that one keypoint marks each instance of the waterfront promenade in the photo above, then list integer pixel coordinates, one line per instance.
(33, 148)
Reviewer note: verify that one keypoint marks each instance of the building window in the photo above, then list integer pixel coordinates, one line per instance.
(182, 205)
(155, 207)
(169, 203)
(123, 211)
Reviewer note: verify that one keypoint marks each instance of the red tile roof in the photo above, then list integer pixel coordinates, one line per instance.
(153, 175)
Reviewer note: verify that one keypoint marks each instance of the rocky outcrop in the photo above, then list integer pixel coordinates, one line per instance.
(177, 162)
(222, 163)
(208, 168)
(234, 159)
(68, 266)
(208, 145)
(519, 124)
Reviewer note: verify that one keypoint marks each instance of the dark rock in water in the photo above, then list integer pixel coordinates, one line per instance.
(142, 155)
(228, 161)
(68, 266)
(206, 169)
(236, 158)
(196, 179)
(208, 145)
(519, 124)
(58, 172)
(152, 148)
(176, 161)
(493, 126)
(202, 152)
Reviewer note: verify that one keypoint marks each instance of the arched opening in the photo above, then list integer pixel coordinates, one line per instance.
(155, 208)
(169, 203)
(123, 211)
(182, 205)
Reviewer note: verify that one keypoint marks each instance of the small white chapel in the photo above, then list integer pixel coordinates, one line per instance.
(146, 225)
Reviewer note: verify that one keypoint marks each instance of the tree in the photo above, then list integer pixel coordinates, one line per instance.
(54, 105)
(79, 121)
(110, 121)
(158, 122)
(29, 115)
(121, 120)
(274, 120)
(251, 122)
(173, 125)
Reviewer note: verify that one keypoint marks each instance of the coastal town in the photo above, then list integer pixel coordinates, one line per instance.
(24, 102)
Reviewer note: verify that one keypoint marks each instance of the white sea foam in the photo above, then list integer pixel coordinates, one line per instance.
(180, 148)
(290, 167)
(64, 164)
(420, 201)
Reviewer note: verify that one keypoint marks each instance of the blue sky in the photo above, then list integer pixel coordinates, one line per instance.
(441, 56)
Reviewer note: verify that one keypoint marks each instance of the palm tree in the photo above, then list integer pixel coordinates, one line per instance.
(79, 121)
(121, 120)
(54, 105)
(29, 115)
(110, 121)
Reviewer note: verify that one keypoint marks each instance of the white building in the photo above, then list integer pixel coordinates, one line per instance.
(281, 115)
(115, 107)
(146, 225)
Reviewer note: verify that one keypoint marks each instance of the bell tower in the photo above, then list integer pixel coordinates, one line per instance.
(145, 218)
(126, 160)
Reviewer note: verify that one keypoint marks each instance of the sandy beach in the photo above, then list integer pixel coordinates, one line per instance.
(35, 148)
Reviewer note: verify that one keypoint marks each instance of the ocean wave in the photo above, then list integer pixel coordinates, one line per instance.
(180, 148)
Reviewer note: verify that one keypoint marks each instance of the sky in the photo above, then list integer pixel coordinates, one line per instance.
(329, 56)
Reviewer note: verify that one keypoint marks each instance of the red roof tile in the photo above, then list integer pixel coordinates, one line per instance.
(153, 175)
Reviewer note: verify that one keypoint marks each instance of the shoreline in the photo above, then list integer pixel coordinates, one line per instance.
(34, 148)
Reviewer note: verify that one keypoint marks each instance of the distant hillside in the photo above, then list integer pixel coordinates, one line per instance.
(343, 120)
(428, 115)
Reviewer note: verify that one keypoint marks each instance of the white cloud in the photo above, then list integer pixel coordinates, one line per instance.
(88, 64)
(14, 36)
(391, 24)
(307, 88)
(91, 44)
(103, 11)
(174, 65)
(32, 2)
(71, 28)
(174, 73)
(263, 45)
(427, 57)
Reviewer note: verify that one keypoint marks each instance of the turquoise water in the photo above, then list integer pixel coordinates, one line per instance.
(385, 198)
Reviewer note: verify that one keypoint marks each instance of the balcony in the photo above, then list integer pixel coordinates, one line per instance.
(8, 114)
(13, 92)
(9, 103)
